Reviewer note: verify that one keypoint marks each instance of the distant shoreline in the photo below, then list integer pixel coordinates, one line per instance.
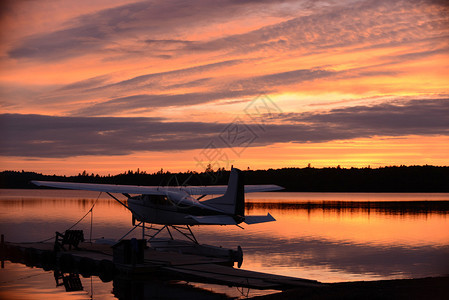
(395, 179)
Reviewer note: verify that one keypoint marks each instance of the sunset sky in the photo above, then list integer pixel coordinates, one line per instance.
(111, 85)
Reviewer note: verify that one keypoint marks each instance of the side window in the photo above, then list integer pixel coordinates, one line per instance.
(156, 200)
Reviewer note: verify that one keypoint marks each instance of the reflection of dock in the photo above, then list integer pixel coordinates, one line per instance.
(98, 259)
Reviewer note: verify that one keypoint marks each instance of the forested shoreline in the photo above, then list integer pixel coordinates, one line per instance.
(384, 179)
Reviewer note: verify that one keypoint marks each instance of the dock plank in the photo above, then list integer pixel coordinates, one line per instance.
(241, 277)
(249, 274)
(224, 278)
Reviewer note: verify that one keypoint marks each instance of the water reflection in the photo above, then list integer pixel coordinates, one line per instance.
(18, 281)
(316, 236)
(71, 281)
(417, 208)
(130, 288)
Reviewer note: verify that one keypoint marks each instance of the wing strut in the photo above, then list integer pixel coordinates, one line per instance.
(115, 198)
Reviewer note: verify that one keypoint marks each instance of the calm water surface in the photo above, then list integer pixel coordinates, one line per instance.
(328, 237)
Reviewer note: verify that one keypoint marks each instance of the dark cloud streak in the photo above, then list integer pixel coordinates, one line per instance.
(415, 116)
(47, 136)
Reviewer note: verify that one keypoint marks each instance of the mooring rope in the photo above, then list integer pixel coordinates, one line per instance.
(90, 210)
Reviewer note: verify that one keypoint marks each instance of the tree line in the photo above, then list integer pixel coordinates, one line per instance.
(333, 179)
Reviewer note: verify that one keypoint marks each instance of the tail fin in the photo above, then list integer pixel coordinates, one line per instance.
(233, 201)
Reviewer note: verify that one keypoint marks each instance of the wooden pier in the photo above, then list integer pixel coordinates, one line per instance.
(98, 259)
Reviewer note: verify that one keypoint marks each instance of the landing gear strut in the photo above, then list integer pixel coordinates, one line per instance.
(156, 229)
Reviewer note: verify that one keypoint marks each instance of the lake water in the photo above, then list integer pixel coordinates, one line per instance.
(329, 237)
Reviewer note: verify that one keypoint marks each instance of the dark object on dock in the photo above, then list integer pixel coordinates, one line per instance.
(129, 252)
(70, 237)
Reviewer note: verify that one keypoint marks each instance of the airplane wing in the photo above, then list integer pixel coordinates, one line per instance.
(153, 190)
(111, 188)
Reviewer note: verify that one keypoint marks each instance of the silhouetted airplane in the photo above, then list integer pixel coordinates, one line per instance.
(170, 206)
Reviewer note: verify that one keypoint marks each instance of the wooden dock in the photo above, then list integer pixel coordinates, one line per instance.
(97, 259)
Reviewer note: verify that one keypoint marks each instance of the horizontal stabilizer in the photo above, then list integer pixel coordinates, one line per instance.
(215, 220)
(259, 219)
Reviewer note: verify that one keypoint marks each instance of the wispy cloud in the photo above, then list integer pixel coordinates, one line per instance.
(86, 84)
(347, 25)
(161, 77)
(234, 89)
(150, 23)
(148, 102)
(102, 30)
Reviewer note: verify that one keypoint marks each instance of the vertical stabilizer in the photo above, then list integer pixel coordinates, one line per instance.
(233, 201)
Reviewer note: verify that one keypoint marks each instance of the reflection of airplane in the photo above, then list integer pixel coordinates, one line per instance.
(171, 206)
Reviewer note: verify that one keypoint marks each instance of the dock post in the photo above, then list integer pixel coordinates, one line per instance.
(2, 251)
(143, 230)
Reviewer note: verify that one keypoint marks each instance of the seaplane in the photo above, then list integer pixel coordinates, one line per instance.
(176, 207)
